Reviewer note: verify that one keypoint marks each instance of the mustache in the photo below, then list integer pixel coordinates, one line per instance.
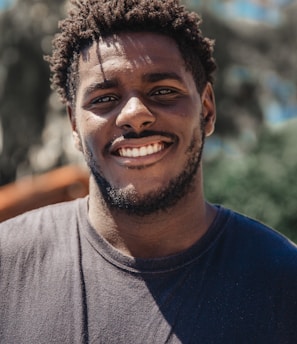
(148, 133)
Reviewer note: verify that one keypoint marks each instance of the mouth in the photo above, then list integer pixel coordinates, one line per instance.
(136, 152)
(143, 151)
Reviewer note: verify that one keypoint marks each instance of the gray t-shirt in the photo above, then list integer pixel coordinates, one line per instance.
(60, 282)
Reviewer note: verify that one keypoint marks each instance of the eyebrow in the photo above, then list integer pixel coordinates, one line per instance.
(155, 77)
(104, 85)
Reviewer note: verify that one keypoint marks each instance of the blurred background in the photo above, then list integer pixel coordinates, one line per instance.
(250, 164)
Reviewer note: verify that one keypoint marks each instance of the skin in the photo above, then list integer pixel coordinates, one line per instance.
(134, 83)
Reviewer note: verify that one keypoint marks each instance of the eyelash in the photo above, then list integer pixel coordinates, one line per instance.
(104, 99)
(168, 91)
(163, 91)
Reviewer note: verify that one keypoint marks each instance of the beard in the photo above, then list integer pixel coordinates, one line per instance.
(162, 199)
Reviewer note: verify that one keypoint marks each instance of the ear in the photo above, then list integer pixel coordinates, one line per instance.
(75, 134)
(208, 109)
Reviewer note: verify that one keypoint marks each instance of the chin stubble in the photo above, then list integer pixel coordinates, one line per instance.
(160, 200)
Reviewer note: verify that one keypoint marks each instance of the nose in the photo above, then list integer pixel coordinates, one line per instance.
(135, 115)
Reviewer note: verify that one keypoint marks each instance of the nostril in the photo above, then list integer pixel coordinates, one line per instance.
(140, 126)
(144, 124)
(135, 124)
(126, 126)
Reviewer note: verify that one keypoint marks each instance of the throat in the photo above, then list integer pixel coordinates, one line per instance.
(150, 236)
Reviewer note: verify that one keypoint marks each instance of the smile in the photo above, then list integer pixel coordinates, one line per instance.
(134, 152)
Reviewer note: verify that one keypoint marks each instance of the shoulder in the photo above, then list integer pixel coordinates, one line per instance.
(40, 227)
(51, 215)
(252, 229)
(257, 241)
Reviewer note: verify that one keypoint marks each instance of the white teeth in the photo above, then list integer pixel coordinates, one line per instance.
(150, 150)
(135, 152)
(141, 151)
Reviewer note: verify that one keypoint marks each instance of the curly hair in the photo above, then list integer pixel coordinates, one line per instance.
(89, 20)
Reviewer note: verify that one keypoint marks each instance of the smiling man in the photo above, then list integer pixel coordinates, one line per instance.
(140, 122)
(144, 258)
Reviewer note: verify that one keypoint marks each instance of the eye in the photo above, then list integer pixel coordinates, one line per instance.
(102, 104)
(165, 95)
(104, 99)
(163, 92)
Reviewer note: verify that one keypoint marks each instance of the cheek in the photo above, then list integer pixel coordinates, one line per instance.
(93, 133)
(193, 130)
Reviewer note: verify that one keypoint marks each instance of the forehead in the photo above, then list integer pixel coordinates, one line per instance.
(131, 52)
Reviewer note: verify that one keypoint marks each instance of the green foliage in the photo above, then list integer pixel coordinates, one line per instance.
(260, 183)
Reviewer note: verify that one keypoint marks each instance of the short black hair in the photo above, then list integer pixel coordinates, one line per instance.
(88, 20)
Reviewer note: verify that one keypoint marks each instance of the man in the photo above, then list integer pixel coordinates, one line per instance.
(143, 259)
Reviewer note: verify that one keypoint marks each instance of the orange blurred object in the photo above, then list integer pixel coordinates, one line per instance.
(62, 184)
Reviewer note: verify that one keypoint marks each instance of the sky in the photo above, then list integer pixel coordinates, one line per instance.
(5, 4)
(268, 11)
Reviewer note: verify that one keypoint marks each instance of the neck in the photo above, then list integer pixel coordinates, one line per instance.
(160, 234)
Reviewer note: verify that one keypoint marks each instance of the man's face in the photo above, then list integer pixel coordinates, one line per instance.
(139, 121)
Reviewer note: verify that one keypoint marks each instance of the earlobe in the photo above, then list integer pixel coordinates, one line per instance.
(75, 135)
(208, 109)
